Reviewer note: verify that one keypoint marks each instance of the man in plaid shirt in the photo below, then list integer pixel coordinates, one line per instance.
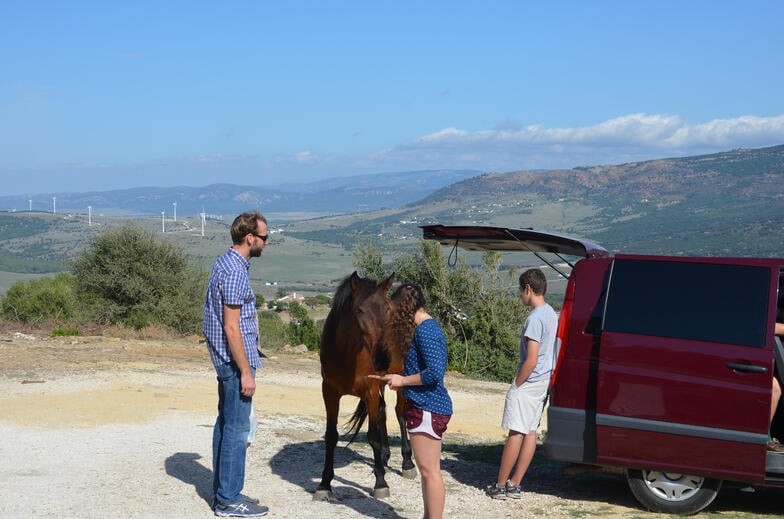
(230, 328)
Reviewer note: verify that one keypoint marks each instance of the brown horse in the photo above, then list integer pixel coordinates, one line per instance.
(354, 345)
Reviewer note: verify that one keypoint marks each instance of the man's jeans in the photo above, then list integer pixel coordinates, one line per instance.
(230, 436)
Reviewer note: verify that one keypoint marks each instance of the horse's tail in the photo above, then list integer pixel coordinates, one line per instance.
(357, 420)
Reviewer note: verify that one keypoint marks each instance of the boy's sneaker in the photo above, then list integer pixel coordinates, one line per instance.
(241, 509)
(495, 491)
(512, 491)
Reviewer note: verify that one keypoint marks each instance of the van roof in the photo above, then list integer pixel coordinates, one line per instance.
(482, 237)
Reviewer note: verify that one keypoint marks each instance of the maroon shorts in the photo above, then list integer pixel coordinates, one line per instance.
(419, 421)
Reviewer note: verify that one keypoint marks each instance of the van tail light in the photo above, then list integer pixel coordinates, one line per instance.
(563, 328)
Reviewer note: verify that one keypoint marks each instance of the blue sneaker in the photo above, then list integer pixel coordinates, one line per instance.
(243, 498)
(246, 499)
(241, 509)
(512, 491)
(495, 491)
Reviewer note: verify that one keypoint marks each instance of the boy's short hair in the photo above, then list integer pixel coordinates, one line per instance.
(535, 279)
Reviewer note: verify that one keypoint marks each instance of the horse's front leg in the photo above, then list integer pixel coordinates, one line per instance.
(409, 471)
(332, 405)
(379, 441)
(383, 433)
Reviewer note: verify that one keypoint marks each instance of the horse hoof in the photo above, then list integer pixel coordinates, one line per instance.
(322, 495)
(409, 473)
(381, 493)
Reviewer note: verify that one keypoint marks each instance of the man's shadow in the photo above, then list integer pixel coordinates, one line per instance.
(287, 464)
(185, 467)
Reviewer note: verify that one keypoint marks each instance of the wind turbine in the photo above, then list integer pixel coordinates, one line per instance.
(54, 205)
(163, 221)
(175, 211)
(89, 216)
(203, 218)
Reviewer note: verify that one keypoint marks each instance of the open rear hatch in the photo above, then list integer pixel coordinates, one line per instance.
(481, 237)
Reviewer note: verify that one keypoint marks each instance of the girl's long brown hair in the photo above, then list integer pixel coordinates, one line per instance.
(407, 299)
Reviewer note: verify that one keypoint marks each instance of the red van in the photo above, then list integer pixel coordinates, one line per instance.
(664, 365)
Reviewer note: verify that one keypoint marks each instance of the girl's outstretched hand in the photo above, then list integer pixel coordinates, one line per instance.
(392, 380)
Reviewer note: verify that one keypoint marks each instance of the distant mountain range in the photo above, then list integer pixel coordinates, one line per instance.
(729, 203)
(330, 196)
(722, 204)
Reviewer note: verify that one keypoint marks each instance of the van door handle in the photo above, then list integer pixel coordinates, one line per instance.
(747, 368)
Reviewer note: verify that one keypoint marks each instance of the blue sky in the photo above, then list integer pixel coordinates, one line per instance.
(109, 95)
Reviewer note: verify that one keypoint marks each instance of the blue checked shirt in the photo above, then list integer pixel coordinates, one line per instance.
(229, 284)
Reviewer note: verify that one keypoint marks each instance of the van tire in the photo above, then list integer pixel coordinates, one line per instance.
(672, 493)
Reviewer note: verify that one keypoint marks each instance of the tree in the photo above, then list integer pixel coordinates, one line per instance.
(302, 329)
(128, 275)
(480, 317)
(369, 261)
(41, 299)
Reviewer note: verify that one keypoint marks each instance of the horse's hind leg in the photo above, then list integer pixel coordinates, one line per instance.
(409, 471)
(332, 405)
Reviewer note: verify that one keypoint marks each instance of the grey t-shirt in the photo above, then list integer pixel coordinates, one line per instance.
(541, 326)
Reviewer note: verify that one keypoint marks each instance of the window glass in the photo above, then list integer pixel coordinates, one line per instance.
(700, 301)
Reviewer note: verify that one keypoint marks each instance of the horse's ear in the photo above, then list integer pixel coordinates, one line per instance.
(387, 283)
(354, 282)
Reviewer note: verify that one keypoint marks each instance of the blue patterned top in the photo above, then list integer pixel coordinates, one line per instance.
(229, 284)
(427, 357)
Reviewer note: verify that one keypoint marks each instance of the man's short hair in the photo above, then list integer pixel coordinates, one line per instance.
(244, 224)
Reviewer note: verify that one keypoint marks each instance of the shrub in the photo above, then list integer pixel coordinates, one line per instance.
(318, 299)
(273, 332)
(302, 329)
(129, 276)
(38, 300)
(480, 319)
(65, 332)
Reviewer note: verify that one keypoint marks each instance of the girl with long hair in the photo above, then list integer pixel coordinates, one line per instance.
(428, 405)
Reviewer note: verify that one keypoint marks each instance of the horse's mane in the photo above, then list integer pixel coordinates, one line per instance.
(342, 295)
(342, 301)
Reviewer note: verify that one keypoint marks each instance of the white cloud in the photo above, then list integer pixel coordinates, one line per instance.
(506, 147)
(630, 137)
(635, 130)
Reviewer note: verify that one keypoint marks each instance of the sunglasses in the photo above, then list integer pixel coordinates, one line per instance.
(263, 237)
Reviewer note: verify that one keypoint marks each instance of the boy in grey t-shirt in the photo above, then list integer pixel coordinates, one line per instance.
(525, 399)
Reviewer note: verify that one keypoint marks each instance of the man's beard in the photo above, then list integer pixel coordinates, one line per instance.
(255, 252)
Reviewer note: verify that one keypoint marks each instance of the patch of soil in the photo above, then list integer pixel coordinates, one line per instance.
(101, 426)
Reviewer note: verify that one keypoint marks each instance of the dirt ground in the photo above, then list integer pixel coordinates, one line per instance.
(109, 427)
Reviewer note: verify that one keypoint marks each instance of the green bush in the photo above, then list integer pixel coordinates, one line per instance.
(260, 303)
(318, 299)
(481, 319)
(65, 332)
(38, 300)
(273, 332)
(302, 329)
(132, 277)
(138, 319)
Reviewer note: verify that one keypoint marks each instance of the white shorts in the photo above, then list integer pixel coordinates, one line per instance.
(420, 421)
(524, 406)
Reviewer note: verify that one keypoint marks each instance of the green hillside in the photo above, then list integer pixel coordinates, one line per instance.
(721, 204)
(729, 204)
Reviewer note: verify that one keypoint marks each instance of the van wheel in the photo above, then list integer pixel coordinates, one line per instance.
(672, 493)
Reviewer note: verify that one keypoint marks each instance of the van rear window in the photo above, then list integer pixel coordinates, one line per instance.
(688, 300)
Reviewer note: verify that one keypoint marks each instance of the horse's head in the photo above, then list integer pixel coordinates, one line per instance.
(371, 308)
